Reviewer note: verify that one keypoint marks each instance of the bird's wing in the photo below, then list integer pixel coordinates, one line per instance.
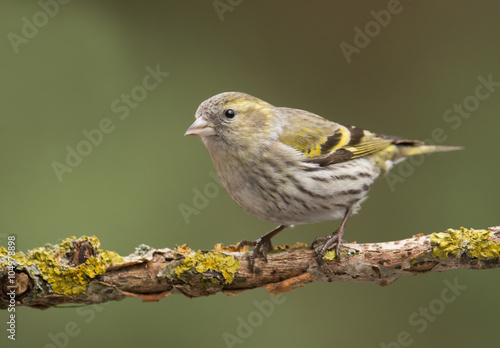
(324, 142)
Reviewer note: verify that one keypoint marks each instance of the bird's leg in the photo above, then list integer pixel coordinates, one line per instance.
(334, 238)
(263, 244)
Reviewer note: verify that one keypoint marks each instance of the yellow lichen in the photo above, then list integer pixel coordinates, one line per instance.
(474, 243)
(53, 266)
(110, 257)
(330, 255)
(215, 261)
(18, 257)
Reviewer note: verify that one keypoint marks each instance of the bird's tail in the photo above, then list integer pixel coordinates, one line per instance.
(406, 151)
(397, 153)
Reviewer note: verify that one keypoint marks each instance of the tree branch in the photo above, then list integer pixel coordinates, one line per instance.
(77, 271)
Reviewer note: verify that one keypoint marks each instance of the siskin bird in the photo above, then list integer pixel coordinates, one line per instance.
(290, 166)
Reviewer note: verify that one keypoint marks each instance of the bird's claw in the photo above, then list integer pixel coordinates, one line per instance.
(261, 245)
(331, 240)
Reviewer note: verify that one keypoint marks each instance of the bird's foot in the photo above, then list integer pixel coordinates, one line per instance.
(334, 239)
(261, 245)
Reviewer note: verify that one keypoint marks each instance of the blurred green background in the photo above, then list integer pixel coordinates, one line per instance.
(75, 64)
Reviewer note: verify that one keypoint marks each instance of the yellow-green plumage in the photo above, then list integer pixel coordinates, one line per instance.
(291, 166)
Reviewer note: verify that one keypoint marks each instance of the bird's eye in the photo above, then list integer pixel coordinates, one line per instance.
(229, 113)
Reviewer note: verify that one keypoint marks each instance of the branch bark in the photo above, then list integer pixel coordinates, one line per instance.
(79, 272)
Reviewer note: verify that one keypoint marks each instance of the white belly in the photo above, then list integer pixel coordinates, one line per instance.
(308, 194)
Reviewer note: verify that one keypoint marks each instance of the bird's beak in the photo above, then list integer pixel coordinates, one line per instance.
(200, 127)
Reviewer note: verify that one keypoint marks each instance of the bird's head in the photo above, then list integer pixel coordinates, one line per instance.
(234, 121)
